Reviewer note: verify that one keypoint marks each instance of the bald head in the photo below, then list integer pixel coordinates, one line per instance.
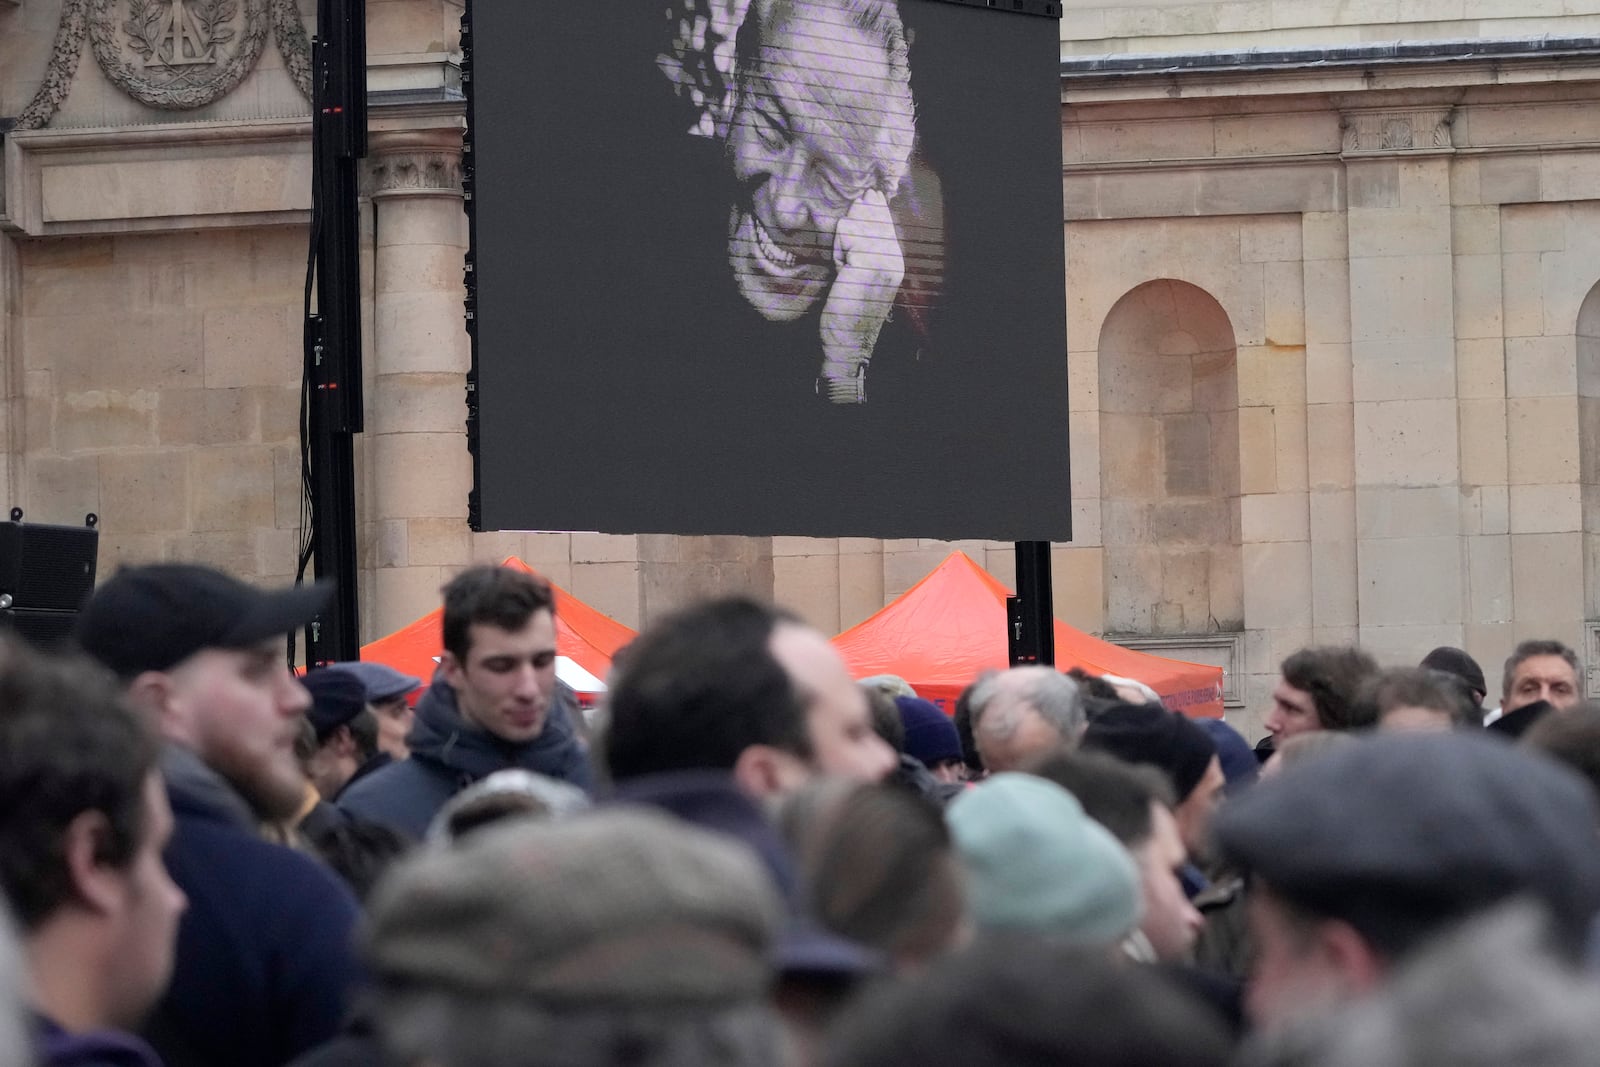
(1021, 714)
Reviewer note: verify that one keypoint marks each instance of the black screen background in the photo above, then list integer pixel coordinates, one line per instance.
(606, 396)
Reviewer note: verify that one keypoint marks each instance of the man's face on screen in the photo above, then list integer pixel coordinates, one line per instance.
(819, 122)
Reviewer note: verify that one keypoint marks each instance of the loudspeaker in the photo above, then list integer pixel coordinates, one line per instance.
(48, 630)
(46, 574)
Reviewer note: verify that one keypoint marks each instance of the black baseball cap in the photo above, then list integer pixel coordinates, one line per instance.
(153, 617)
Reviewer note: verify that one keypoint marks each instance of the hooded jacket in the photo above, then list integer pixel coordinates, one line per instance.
(55, 1047)
(448, 754)
(264, 964)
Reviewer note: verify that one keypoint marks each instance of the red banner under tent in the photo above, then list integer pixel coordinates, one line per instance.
(586, 639)
(948, 628)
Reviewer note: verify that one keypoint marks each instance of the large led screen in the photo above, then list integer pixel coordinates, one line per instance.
(768, 267)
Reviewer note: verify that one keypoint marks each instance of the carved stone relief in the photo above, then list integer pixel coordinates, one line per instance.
(170, 54)
(1397, 131)
(411, 172)
(177, 54)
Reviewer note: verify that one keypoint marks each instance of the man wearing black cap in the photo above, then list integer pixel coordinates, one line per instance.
(346, 733)
(1363, 854)
(1148, 733)
(263, 964)
(387, 691)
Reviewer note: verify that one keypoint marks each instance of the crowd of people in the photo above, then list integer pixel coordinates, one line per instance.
(750, 859)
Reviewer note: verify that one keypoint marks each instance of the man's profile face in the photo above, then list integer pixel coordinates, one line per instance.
(1170, 922)
(508, 680)
(394, 717)
(1293, 712)
(1195, 813)
(1542, 678)
(239, 710)
(148, 919)
(1292, 976)
(818, 124)
(838, 720)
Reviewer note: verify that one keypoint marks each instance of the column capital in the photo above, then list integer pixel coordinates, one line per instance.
(414, 163)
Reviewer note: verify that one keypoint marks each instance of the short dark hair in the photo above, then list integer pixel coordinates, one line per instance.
(498, 596)
(1418, 687)
(1094, 686)
(699, 687)
(1333, 676)
(1115, 794)
(68, 745)
(360, 852)
(963, 721)
(1028, 1003)
(1537, 647)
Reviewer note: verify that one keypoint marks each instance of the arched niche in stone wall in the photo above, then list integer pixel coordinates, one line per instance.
(1169, 463)
(1588, 342)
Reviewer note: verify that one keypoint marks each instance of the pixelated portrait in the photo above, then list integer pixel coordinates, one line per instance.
(768, 267)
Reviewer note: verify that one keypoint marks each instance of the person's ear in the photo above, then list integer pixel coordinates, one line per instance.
(156, 697)
(86, 851)
(1359, 967)
(344, 742)
(454, 670)
(765, 771)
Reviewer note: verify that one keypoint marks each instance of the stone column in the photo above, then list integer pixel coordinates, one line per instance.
(416, 470)
(1330, 429)
(1408, 477)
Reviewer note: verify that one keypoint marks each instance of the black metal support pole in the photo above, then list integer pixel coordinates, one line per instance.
(1031, 627)
(334, 415)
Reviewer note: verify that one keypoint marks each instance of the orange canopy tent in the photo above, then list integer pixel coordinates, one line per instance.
(584, 636)
(945, 630)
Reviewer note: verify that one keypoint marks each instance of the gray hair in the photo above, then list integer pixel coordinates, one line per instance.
(1537, 647)
(511, 791)
(448, 1029)
(1046, 690)
(1489, 994)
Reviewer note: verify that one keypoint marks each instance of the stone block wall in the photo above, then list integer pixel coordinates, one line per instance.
(160, 390)
(1098, 26)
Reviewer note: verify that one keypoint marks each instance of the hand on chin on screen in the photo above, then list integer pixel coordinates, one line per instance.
(869, 269)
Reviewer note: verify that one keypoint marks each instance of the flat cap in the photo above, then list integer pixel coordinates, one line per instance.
(622, 907)
(382, 682)
(1400, 835)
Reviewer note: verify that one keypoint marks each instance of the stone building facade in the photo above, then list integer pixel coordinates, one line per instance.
(1333, 337)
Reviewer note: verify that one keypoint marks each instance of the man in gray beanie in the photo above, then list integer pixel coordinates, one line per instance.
(618, 936)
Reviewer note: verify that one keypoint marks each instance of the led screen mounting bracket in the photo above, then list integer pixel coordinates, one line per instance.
(767, 267)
